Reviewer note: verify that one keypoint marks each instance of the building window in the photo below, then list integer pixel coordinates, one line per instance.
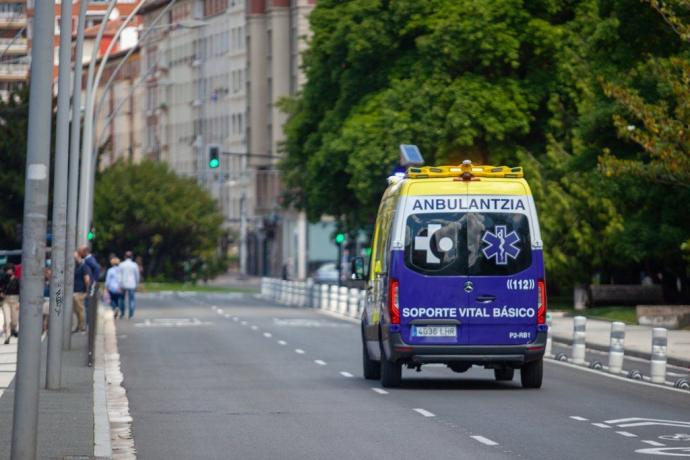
(213, 7)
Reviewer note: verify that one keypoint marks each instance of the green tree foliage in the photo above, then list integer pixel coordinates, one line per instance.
(168, 220)
(13, 128)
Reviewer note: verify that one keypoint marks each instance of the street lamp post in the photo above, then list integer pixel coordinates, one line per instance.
(57, 281)
(27, 379)
(73, 182)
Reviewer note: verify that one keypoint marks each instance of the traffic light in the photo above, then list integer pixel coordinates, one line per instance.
(340, 238)
(91, 235)
(213, 156)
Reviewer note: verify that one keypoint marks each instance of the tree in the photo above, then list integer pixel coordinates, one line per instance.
(13, 128)
(170, 221)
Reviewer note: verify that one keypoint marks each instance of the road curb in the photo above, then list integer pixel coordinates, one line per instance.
(563, 340)
(101, 426)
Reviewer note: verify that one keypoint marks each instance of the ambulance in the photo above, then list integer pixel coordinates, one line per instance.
(456, 275)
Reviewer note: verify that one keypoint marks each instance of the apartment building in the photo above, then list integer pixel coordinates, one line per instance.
(14, 47)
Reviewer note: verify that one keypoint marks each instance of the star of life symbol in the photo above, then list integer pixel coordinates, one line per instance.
(423, 243)
(500, 245)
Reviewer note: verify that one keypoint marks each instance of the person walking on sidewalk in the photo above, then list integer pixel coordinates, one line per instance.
(9, 286)
(82, 281)
(113, 283)
(129, 272)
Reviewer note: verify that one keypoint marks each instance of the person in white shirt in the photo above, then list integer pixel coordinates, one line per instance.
(113, 283)
(129, 280)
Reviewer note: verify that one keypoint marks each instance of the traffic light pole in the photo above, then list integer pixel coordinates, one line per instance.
(37, 181)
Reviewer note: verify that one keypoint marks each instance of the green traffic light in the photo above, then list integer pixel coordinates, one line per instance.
(340, 238)
(90, 236)
(213, 163)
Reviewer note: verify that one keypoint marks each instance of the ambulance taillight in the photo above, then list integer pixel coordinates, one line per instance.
(541, 302)
(393, 300)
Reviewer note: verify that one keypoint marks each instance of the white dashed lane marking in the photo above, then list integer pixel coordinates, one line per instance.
(227, 316)
(346, 374)
(601, 425)
(214, 307)
(319, 362)
(654, 443)
(282, 342)
(255, 328)
(424, 412)
(268, 335)
(484, 440)
(244, 323)
(578, 418)
(380, 391)
(299, 351)
(235, 318)
(627, 434)
(220, 311)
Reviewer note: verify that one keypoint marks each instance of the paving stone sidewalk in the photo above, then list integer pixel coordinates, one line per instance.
(638, 339)
(65, 423)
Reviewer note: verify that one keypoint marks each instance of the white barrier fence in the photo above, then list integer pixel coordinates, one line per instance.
(337, 299)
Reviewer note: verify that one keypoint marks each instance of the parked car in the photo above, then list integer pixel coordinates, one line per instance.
(326, 274)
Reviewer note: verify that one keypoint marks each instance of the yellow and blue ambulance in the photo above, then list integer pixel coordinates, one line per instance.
(456, 275)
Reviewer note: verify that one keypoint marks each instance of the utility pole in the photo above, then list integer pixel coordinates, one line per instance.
(37, 182)
(57, 281)
(73, 178)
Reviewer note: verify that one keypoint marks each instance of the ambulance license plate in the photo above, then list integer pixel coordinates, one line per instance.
(434, 331)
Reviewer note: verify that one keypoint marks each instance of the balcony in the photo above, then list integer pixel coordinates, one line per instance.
(11, 46)
(14, 71)
(12, 20)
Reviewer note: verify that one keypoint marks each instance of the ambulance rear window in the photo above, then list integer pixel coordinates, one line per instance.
(461, 244)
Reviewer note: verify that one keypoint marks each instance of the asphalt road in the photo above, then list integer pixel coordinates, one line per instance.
(220, 376)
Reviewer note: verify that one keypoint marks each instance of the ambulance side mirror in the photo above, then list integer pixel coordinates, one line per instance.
(357, 269)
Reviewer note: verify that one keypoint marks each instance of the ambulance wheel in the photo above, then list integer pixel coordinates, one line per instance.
(391, 373)
(504, 374)
(371, 368)
(531, 374)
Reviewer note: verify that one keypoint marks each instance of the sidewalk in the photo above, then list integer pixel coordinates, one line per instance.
(65, 422)
(234, 280)
(638, 339)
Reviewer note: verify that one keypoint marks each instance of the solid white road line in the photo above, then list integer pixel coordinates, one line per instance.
(601, 425)
(268, 335)
(346, 374)
(299, 351)
(380, 391)
(654, 443)
(627, 434)
(282, 342)
(578, 418)
(319, 362)
(424, 412)
(484, 440)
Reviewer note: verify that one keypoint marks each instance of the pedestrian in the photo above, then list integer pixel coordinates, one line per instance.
(9, 286)
(47, 275)
(113, 283)
(94, 274)
(129, 273)
(82, 281)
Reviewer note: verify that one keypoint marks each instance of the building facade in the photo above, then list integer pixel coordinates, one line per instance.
(14, 47)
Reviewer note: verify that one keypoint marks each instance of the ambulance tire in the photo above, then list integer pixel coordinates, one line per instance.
(531, 374)
(391, 373)
(371, 368)
(505, 374)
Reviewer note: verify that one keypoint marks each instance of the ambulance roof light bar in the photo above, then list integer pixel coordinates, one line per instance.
(465, 171)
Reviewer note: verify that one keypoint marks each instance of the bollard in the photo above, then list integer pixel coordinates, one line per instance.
(616, 350)
(333, 306)
(547, 351)
(323, 304)
(342, 300)
(352, 302)
(579, 327)
(659, 346)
